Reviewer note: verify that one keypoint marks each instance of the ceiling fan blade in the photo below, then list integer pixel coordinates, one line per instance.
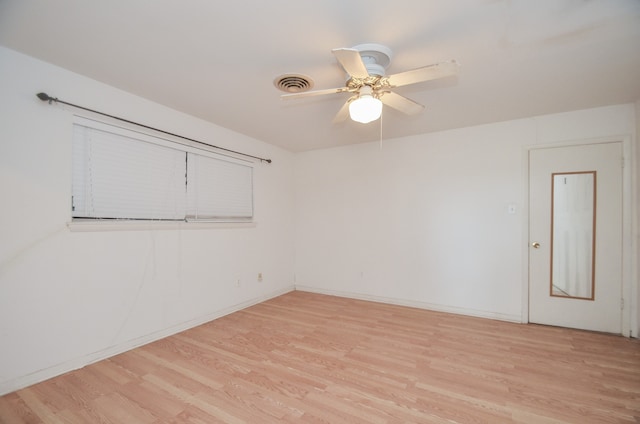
(401, 103)
(426, 73)
(343, 113)
(351, 62)
(313, 93)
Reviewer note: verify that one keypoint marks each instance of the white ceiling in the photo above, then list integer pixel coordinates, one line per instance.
(217, 59)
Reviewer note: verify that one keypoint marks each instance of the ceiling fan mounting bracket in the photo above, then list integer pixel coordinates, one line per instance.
(375, 58)
(375, 54)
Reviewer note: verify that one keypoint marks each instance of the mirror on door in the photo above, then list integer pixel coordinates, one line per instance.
(573, 200)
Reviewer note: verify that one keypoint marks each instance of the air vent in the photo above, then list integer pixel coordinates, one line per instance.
(293, 83)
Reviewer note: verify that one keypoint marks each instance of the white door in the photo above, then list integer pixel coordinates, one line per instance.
(575, 237)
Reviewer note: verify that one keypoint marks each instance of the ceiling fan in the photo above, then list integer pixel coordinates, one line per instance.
(365, 65)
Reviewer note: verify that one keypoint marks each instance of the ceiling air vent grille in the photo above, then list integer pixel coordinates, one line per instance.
(293, 83)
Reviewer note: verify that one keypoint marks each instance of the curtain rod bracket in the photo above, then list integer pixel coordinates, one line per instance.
(45, 97)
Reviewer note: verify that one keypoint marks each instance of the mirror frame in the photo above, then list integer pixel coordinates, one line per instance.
(593, 238)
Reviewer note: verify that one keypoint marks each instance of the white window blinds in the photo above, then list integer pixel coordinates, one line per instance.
(217, 189)
(122, 174)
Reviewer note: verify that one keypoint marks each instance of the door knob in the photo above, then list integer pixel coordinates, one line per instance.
(535, 245)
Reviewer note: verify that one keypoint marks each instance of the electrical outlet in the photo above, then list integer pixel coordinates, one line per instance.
(259, 276)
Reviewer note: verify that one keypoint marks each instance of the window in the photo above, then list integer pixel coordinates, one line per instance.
(128, 175)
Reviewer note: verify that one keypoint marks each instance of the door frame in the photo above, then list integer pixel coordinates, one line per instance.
(630, 289)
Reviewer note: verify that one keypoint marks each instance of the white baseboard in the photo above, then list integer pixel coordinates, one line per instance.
(77, 363)
(414, 304)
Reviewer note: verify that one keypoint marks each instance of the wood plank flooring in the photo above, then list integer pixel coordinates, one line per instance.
(311, 358)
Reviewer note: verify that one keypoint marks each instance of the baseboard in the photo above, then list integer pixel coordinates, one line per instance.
(77, 363)
(414, 304)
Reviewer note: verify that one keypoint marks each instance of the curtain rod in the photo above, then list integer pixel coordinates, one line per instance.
(45, 97)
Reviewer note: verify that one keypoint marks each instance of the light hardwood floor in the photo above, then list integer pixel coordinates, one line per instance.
(306, 357)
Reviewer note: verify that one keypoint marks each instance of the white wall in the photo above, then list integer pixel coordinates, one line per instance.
(424, 220)
(68, 298)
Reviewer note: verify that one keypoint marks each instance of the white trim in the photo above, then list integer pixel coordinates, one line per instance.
(77, 363)
(413, 304)
(524, 316)
(630, 283)
(579, 142)
(88, 225)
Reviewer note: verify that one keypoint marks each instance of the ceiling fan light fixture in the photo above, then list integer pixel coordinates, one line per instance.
(370, 88)
(365, 108)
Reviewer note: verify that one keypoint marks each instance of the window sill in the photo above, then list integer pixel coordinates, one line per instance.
(114, 225)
